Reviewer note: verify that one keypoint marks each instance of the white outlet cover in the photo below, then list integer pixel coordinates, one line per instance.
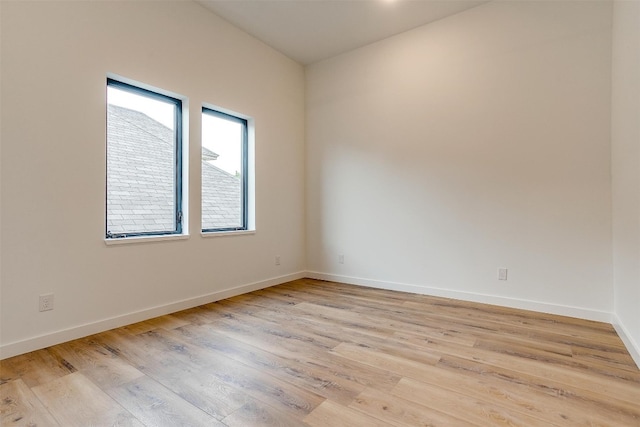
(46, 302)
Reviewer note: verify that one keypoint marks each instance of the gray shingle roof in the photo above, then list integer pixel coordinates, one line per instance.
(140, 178)
(221, 206)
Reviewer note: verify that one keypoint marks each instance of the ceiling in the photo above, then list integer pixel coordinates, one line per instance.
(312, 30)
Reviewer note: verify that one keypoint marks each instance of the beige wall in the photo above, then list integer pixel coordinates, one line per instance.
(626, 171)
(476, 142)
(55, 59)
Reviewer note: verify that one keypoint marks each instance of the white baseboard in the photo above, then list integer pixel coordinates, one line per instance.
(632, 346)
(42, 341)
(562, 310)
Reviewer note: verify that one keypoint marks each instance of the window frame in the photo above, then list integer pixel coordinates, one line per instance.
(178, 163)
(244, 200)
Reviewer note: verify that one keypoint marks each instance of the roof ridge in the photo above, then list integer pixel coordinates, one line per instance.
(231, 175)
(114, 109)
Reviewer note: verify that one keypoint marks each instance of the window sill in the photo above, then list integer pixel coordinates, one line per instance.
(227, 233)
(144, 239)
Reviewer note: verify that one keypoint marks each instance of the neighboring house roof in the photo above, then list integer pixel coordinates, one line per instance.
(140, 178)
(221, 204)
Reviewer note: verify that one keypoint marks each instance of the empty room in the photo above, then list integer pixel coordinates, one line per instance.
(320, 213)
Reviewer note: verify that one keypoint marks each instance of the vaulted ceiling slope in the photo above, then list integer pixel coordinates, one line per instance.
(312, 30)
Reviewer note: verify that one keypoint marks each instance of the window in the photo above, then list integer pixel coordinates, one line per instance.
(144, 162)
(224, 171)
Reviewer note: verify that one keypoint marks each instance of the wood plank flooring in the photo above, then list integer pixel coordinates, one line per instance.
(324, 354)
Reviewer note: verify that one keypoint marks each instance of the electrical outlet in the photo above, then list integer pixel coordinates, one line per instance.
(340, 258)
(502, 274)
(46, 302)
(277, 259)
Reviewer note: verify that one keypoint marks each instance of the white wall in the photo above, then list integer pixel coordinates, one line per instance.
(476, 142)
(625, 130)
(55, 58)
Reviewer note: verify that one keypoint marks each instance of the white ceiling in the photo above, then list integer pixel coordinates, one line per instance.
(311, 30)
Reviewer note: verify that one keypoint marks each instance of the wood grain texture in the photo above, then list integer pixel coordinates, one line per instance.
(75, 401)
(155, 405)
(260, 414)
(335, 415)
(320, 353)
(20, 407)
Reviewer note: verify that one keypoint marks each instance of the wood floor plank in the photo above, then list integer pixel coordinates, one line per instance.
(257, 384)
(528, 352)
(544, 340)
(405, 413)
(396, 364)
(126, 346)
(197, 315)
(96, 363)
(501, 391)
(316, 357)
(459, 312)
(568, 402)
(414, 316)
(515, 317)
(475, 410)
(241, 315)
(618, 360)
(615, 386)
(180, 371)
(215, 397)
(341, 326)
(155, 405)
(604, 341)
(628, 391)
(259, 414)
(303, 375)
(75, 401)
(269, 299)
(386, 325)
(332, 414)
(19, 407)
(37, 367)
(167, 322)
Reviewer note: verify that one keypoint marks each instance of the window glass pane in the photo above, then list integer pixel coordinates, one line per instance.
(141, 163)
(223, 142)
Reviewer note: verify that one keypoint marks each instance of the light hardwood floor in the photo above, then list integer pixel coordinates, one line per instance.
(327, 354)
